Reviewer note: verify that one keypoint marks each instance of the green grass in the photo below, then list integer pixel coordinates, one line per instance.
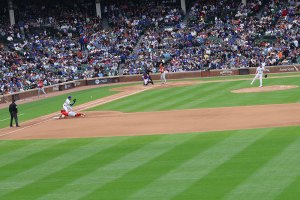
(205, 95)
(220, 78)
(244, 164)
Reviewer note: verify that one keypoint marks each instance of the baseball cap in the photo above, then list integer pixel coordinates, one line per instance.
(69, 97)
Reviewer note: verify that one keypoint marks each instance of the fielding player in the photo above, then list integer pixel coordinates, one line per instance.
(67, 110)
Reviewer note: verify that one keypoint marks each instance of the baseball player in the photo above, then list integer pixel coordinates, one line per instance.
(148, 71)
(41, 87)
(67, 106)
(259, 74)
(147, 79)
(68, 110)
(64, 114)
(162, 71)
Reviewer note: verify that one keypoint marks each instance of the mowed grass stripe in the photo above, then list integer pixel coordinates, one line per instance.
(6, 143)
(142, 100)
(146, 173)
(69, 166)
(273, 177)
(248, 77)
(224, 97)
(156, 102)
(115, 105)
(105, 174)
(34, 166)
(8, 146)
(291, 192)
(21, 150)
(29, 157)
(132, 100)
(200, 97)
(282, 81)
(193, 93)
(205, 95)
(233, 172)
(160, 99)
(187, 173)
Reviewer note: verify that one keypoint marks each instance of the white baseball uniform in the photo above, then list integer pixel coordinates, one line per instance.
(259, 74)
(163, 77)
(67, 105)
(163, 74)
(72, 114)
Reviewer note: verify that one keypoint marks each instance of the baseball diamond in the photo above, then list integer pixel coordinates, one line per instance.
(185, 135)
(149, 100)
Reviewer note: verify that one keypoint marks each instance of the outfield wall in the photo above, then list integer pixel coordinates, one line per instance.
(134, 78)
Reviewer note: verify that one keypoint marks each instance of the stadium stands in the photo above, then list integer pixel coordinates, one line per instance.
(64, 41)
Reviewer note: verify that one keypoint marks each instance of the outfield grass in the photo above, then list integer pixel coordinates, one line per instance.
(205, 95)
(250, 76)
(245, 164)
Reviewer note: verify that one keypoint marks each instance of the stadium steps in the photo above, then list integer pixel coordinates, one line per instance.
(105, 24)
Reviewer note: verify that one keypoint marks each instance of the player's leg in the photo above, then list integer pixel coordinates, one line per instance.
(253, 80)
(72, 114)
(150, 80)
(164, 76)
(63, 114)
(43, 90)
(255, 77)
(260, 80)
(65, 108)
(69, 108)
(145, 81)
(80, 115)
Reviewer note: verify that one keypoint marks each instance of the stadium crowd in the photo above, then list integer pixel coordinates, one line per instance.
(228, 42)
(63, 43)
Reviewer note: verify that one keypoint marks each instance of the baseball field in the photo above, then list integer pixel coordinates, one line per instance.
(208, 138)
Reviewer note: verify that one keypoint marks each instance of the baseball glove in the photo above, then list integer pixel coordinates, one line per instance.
(74, 100)
(266, 76)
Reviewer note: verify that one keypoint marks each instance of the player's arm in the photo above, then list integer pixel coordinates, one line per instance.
(74, 101)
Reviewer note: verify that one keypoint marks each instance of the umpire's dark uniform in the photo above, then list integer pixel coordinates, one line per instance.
(13, 110)
(147, 71)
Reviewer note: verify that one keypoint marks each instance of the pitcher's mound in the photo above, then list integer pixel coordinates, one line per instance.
(265, 88)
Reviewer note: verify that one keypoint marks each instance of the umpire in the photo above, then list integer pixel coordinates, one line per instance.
(148, 71)
(13, 110)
